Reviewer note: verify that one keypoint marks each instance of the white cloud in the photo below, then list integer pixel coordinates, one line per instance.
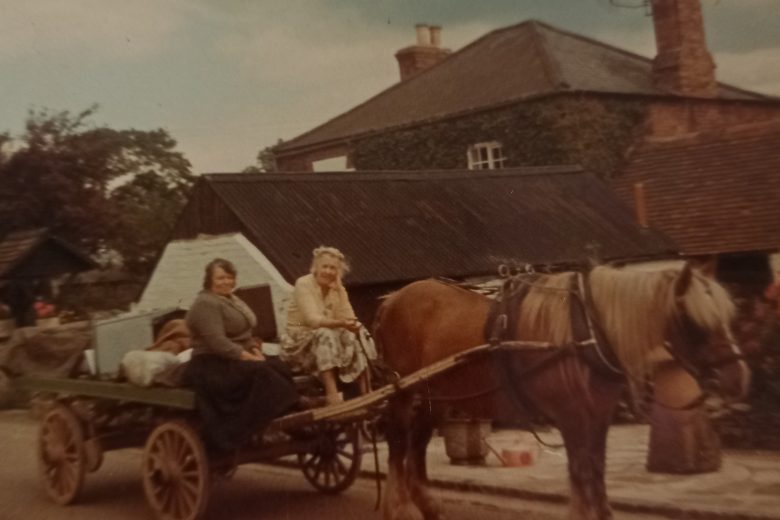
(102, 27)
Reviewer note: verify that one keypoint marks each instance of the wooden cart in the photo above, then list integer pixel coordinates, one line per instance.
(85, 418)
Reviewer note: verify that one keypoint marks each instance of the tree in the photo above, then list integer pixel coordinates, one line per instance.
(60, 172)
(266, 160)
(149, 205)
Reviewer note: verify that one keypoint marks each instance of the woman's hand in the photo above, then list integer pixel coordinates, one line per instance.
(254, 355)
(351, 324)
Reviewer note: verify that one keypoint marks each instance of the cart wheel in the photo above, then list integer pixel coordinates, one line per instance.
(333, 463)
(175, 472)
(61, 458)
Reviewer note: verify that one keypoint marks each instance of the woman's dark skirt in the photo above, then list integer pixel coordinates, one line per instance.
(236, 399)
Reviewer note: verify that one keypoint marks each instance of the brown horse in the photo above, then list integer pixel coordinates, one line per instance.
(572, 379)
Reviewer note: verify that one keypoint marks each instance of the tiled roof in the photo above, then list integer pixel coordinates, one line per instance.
(715, 192)
(19, 246)
(15, 246)
(523, 61)
(401, 226)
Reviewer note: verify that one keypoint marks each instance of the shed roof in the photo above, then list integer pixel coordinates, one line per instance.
(714, 192)
(507, 65)
(46, 254)
(401, 226)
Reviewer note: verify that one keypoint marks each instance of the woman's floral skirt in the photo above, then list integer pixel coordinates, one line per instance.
(323, 349)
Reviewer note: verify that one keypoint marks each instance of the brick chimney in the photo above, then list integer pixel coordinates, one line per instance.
(425, 53)
(683, 64)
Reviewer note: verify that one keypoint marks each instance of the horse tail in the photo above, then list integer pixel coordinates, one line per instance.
(376, 325)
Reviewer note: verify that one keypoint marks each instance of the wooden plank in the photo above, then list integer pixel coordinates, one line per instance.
(185, 399)
(170, 397)
(363, 402)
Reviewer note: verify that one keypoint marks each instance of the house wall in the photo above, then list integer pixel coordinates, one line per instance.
(670, 118)
(588, 130)
(303, 161)
(591, 130)
(178, 276)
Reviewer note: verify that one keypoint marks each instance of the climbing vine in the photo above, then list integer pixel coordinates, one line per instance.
(593, 132)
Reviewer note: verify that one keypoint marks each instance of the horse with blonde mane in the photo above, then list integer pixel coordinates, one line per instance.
(592, 334)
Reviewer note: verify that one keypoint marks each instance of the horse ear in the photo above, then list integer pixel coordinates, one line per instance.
(684, 280)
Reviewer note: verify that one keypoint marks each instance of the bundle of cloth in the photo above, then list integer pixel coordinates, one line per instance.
(163, 362)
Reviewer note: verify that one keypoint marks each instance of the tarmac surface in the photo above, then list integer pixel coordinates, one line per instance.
(746, 487)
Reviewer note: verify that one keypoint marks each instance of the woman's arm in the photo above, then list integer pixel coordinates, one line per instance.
(310, 312)
(346, 312)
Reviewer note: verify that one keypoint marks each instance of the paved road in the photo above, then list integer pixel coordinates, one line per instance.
(255, 492)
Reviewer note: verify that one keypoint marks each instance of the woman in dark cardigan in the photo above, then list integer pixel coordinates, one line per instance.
(237, 391)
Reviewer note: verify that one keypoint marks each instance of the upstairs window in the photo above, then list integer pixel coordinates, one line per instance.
(486, 156)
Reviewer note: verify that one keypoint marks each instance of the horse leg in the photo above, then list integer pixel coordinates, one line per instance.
(599, 451)
(397, 504)
(586, 470)
(417, 473)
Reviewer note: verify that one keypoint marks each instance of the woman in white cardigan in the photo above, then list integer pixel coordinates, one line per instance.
(322, 330)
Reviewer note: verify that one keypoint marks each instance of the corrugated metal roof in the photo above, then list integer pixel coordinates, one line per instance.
(523, 61)
(715, 192)
(400, 226)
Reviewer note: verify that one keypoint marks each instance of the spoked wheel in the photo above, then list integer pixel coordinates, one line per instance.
(175, 472)
(334, 462)
(61, 458)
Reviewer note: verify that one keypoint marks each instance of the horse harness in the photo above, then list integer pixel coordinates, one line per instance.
(499, 331)
(589, 339)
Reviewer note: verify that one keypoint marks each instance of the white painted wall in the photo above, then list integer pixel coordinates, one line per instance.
(333, 164)
(178, 276)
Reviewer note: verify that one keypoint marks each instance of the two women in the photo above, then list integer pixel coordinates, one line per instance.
(323, 335)
(237, 391)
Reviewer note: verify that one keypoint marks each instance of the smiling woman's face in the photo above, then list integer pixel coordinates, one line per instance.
(327, 270)
(222, 282)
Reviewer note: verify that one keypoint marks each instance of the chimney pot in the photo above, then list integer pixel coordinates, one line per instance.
(423, 34)
(435, 35)
(424, 54)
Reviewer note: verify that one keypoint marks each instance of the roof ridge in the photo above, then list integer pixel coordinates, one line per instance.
(631, 54)
(549, 61)
(550, 65)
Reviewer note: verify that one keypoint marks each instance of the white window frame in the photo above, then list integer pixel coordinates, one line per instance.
(486, 156)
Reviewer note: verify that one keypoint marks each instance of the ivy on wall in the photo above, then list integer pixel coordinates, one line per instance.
(593, 132)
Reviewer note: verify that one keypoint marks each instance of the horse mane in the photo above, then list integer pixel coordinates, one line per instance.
(634, 308)
(631, 306)
(545, 312)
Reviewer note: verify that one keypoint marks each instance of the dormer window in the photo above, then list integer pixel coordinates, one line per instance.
(486, 156)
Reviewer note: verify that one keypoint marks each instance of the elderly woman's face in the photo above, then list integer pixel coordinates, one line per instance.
(326, 270)
(222, 282)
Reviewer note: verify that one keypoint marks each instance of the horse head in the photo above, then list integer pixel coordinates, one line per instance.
(699, 336)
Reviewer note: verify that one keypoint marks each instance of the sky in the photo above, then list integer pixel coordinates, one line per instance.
(227, 78)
